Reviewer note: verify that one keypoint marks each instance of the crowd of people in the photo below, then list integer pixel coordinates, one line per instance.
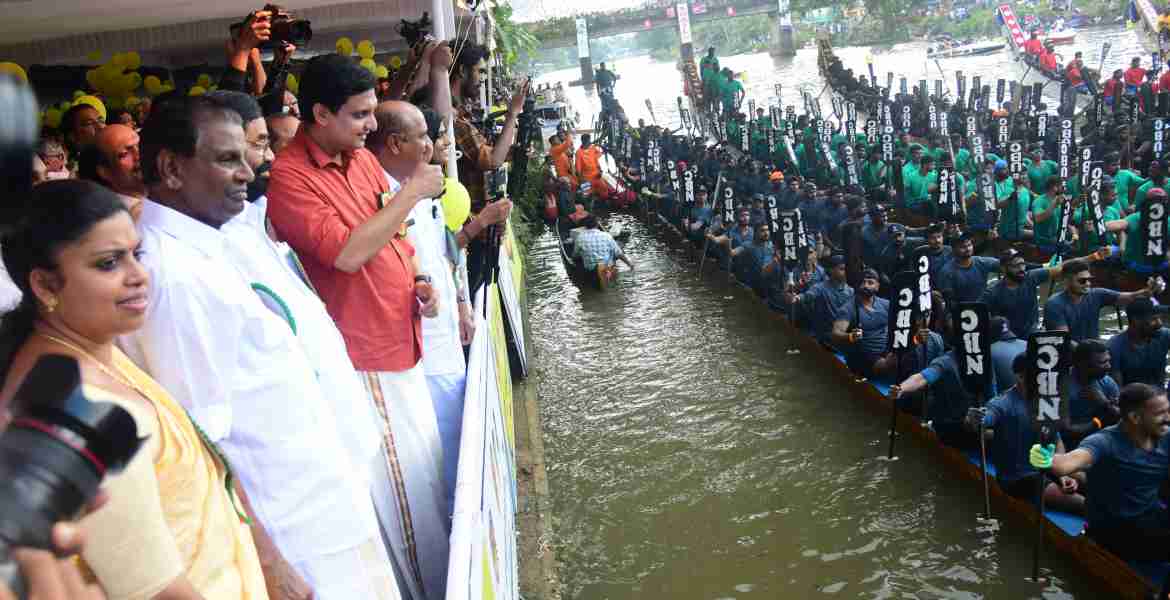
(821, 225)
(278, 288)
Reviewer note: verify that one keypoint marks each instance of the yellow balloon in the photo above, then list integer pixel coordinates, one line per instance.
(204, 81)
(118, 60)
(95, 102)
(456, 204)
(395, 62)
(369, 64)
(344, 46)
(365, 49)
(197, 91)
(152, 84)
(382, 72)
(52, 118)
(15, 70)
(133, 60)
(94, 56)
(292, 84)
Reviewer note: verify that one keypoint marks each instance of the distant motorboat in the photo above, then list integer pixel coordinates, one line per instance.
(972, 49)
(1059, 38)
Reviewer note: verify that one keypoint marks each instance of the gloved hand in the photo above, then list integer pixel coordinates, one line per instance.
(1040, 457)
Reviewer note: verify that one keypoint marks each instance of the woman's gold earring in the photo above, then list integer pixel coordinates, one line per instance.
(51, 304)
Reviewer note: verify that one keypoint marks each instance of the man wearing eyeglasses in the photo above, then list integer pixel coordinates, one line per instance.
(1077, 308)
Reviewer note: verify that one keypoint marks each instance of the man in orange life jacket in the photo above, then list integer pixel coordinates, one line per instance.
(1034, 46)
(560, 147)
(589, 167)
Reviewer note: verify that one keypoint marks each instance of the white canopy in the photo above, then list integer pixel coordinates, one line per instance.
(177, 32)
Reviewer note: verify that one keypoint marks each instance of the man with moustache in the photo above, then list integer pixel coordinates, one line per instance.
(238, 368)
(965, 275)
(113, 161)
(331, 200)
(1016, 295)
(1127, 464)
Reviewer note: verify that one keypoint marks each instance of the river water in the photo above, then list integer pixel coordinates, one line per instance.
(691, 456)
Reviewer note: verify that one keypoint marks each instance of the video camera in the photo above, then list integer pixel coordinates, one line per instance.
(285, 28)
(59, 444)
(416, 32)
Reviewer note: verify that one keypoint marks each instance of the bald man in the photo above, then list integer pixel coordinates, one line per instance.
(402, 145)
(113, 161)
(282, 128)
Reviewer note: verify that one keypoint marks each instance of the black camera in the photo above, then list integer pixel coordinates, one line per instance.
(298, 32)
(53, 456)
(415, 32)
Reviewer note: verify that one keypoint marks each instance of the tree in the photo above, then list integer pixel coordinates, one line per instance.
(511, 38)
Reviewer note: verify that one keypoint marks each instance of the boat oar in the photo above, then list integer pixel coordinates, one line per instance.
(650, 108)
(707, 240)
(1104, 51)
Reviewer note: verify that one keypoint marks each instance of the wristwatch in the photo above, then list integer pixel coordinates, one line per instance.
(423, 278)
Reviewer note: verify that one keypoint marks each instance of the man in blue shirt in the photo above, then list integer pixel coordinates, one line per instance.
(1005, 347)
(1090, 392)
(825, 301)
(751, 257)
(862, 329)
(1077, 308)
(940, 254)
(964, 277)
(1016, 296)
(875, 235)
(947, 407)
(1139, 352)
(1127, 464)
(701, 215)
(1008, 418)
(596, 247)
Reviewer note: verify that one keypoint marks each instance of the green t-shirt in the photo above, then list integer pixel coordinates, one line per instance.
(1135, 241)
(1122, 182)
(871, 174)
(1038, 173)
(1013, 217)
(730, 89)
(1139, 198)
(963, 161)
(1046, 232)
(917, 186)
(1089, 239)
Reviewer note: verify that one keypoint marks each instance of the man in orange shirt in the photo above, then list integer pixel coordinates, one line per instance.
(1134, 75)
(1034, 46)
(589, 167)
(559, 151)
(330, 199)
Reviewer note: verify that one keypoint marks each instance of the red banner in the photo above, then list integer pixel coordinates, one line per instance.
(1013, 25)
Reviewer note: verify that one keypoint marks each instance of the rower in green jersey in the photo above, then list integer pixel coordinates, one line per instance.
(1039, 169)
(732, 92)
(1047, 211)
(873, 170)
(1126, 182)
(1110, 213)
(920, 183)
(1157, 180)
(1134, 253)
(1012, 199)
(963, 161)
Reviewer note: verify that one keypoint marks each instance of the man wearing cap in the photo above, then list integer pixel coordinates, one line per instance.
(826, 301)
(1110, 211)
(1015, 296)
(875, 235)
(964, 277)
(1139, 352)
(861, 330)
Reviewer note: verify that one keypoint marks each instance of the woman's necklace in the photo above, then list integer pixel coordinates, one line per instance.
(121, 378)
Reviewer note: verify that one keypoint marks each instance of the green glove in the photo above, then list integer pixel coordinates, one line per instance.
(1040, 457)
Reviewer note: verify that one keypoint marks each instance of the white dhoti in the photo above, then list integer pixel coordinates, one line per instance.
(407, 486)
(361, 572)
(447, 392)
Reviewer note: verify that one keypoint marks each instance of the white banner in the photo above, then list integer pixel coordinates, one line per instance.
(582, 38)
(684, 22)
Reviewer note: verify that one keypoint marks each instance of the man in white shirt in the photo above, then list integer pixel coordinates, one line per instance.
(240, 366)
(401, 143)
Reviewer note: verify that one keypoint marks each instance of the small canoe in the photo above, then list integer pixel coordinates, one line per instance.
(976, 49)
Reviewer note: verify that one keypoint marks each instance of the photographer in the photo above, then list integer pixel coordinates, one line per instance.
(243, 54)
(479, 156)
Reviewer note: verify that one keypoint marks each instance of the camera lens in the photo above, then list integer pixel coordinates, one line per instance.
(55, 453)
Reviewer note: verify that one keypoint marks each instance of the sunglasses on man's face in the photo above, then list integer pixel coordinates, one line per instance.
(1084, 280)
